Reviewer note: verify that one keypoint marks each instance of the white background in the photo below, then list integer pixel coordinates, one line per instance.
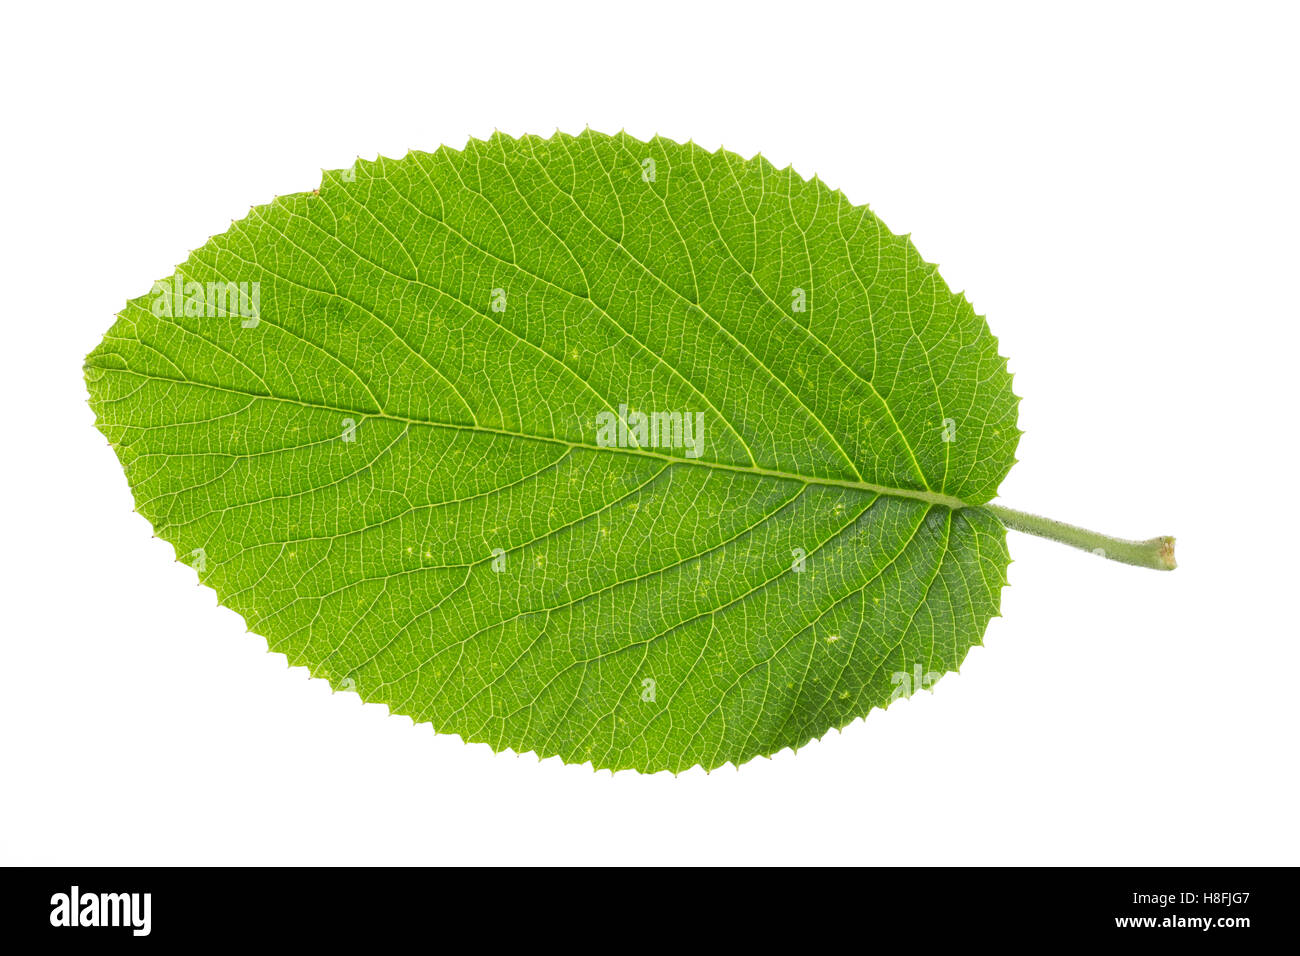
(1114, 186)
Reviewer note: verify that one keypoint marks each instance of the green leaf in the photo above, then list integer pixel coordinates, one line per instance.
(394, 423)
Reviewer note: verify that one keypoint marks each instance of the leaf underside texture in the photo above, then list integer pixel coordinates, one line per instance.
(390, 465)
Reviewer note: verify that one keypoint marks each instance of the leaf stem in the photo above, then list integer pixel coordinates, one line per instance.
(1157, 553)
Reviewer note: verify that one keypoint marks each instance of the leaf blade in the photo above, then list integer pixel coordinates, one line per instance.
(371, 561)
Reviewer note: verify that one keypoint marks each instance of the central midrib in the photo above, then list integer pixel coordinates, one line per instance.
(929, 497)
